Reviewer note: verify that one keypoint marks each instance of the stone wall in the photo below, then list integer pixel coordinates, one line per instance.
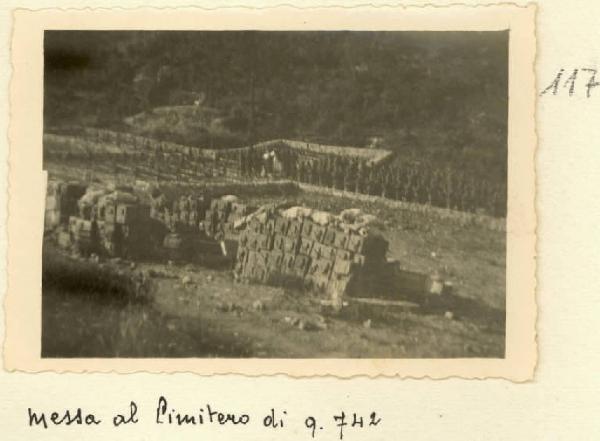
(325, 258)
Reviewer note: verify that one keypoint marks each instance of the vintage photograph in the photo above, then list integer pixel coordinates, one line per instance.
(275, 194)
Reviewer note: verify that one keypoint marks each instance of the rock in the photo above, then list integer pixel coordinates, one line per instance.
(437, 284)
(132, 265)
(292, 321)
(367, 324)
(115, 260)
(186, 280)
(209, 278)
(229, 307)
(317, 324)
(230, 198)
(321, 217)
(449, 315)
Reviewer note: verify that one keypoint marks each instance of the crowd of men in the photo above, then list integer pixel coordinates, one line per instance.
(420, 183)
(416, 182)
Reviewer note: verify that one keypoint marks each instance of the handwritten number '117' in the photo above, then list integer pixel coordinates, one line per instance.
(570, 81)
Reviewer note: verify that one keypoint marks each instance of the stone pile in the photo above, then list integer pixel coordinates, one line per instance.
(314, 250)
(115, 224)
(221, 218)
(61, 202)
(183, 215)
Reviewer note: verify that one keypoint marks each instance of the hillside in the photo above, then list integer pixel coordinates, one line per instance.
(440, 97)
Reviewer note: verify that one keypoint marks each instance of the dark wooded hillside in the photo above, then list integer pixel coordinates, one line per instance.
(437, 97)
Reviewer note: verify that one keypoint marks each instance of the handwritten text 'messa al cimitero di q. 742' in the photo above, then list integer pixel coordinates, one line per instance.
(335, 426)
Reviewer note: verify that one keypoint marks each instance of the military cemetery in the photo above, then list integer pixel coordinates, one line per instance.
(179, 227)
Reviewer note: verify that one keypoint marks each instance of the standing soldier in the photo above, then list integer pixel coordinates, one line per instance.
(447, 188)
(348, 176)
(324, 170)
(286, 163)
(387, 190)
(396, 185)
(316, 176)
(432, 184)
(318, 168)
(332, 164)
(241, 167)
(341, 167)
(377, 181)
(327, 172)
(300, 172)
(333, 172)
(408, 185)
(358, 183)
(470, 194)
(292, 168)
(369, 176)
(460, 191)
(413, 191)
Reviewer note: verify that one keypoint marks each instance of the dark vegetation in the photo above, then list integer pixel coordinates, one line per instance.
(439, 98)
(92, 311)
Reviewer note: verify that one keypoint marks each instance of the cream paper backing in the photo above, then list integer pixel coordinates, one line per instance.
(559, 403)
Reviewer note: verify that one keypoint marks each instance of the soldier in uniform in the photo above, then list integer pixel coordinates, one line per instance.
(339, 174)
(292, 168)
(348, 176)
(370, 176)
(407, 188)
(301, 172)
(320, 167)
(387, 190)
(360, 176)
(314, 173)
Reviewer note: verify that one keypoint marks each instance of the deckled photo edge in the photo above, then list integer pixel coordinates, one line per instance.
(22, 350)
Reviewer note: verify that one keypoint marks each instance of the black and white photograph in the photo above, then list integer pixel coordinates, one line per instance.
(275, 194)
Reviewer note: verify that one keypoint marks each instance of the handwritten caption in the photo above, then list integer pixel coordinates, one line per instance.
(341, 423)
(578, 81)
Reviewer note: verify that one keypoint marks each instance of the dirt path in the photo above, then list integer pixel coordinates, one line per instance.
(272, 322)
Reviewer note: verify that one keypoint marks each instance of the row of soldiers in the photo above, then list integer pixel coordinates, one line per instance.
(411, 182)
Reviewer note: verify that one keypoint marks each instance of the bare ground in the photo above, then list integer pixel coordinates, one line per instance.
(213, 316)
